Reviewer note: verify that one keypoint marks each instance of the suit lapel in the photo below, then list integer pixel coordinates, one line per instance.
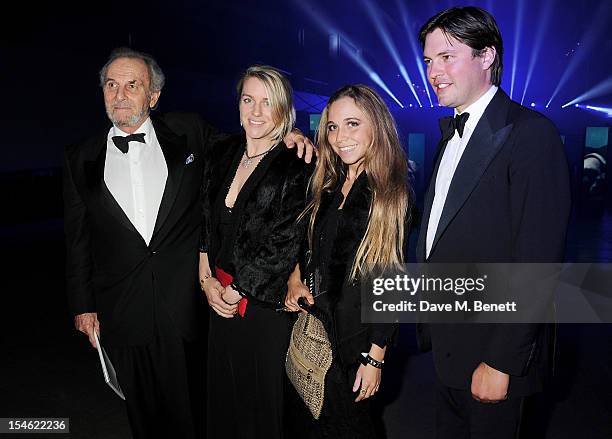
(489, 136)
(94, 175)
(175, 152)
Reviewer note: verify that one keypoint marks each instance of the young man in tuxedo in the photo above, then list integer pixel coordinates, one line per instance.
(133, 212)
(499, 192)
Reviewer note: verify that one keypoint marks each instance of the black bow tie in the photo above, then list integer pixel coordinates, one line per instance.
(448, 125)
(121, 142)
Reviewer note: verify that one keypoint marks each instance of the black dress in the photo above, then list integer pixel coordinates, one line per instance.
(341, 417)
(245, 354)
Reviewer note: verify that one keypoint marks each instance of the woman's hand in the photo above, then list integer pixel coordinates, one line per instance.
(367, 378)
(367, 381)
(213, 290)
(303, 144)
(295, 290)
(230, 296)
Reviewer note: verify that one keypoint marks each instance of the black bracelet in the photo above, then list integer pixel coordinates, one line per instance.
(371, 361)
(230, 304)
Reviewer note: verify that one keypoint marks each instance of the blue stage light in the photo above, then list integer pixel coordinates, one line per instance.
(600, 21)
(417, 53)
(600, 89)
(605, 110)
(532, 104)
(517, 41)
(383, 33)
(347, 47)
(545, 13)
(374, 77)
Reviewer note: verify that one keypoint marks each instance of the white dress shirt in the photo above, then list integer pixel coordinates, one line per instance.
(137, 179)
(450, 159)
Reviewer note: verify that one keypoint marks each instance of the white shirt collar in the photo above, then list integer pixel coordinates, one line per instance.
(477, 109)
(146, 128)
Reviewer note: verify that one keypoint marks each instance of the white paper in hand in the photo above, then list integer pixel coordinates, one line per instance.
(110, 377)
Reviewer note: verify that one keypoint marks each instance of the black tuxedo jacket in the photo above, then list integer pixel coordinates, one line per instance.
(509, 201)
(110, 268)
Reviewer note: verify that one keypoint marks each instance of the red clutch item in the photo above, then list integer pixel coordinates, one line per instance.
(226, 279)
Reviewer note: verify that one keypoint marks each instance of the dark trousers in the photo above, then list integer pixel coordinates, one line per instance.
(459, 416)
(163, 383)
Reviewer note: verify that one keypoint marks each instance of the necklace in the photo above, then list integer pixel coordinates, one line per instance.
(249, 159)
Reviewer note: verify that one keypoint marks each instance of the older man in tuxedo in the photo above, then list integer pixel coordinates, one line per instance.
(499, 192)
(132, 221)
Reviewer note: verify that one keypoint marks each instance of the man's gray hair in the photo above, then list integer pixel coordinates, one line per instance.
(156, 76)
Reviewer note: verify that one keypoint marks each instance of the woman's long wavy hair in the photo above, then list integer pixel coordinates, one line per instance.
(386, 167)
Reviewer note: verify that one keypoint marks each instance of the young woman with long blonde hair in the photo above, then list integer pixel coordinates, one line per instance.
(359, 217)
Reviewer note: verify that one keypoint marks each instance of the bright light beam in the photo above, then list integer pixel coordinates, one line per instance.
(600, 21)
(326, 26)
(391, 48)
(418, 55)
(600, 89)
(374, 77)
(517, 40)
(369, 71)
(546, 12)
(604, 110)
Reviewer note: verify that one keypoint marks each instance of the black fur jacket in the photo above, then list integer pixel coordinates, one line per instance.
(267, 235)
(340, 306)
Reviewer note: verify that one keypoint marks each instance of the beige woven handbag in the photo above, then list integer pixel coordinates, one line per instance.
(308, 359)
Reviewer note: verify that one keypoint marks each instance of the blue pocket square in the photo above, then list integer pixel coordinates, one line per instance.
(189, 159)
